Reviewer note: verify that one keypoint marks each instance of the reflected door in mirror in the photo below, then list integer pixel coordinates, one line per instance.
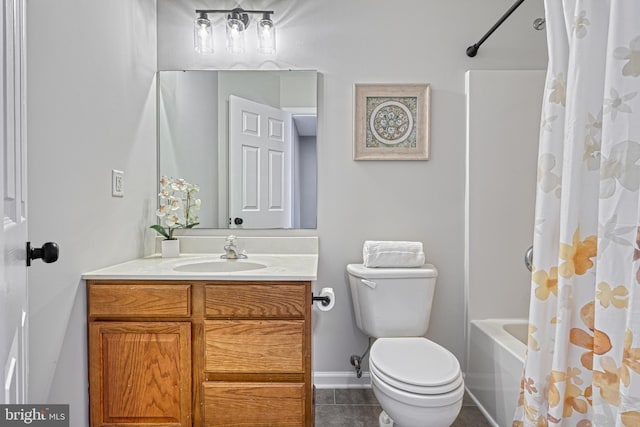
(260, 165)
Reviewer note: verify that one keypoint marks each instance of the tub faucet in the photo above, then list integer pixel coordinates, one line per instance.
(231, 250)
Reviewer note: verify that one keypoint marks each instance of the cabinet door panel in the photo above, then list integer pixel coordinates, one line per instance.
(140, 373)
(254, 404)
(246, 346)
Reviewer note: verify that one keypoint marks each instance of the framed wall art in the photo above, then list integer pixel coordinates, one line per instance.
(391, 122)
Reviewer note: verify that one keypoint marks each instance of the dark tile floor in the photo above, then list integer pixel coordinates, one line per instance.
(359, 408)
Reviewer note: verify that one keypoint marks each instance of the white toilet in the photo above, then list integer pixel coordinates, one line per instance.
(416, 381)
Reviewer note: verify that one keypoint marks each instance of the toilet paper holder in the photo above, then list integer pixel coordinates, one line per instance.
(324, 300)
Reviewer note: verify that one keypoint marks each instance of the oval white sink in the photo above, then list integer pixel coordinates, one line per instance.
(222, 266)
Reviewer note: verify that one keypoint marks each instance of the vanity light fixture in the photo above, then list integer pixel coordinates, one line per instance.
(237, 22)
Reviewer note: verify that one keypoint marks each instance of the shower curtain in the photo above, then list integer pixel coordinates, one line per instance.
(583, 359)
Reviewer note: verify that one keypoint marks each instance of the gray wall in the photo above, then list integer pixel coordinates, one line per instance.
(91, 108)
(501, 194)
(375, 41)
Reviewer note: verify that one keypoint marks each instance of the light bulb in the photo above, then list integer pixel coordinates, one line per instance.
(235, 35)
(266, 35)
(202, 34)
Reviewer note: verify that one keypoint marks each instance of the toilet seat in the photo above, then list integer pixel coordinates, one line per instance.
(408, 399)
(409, 388)
(415, 365)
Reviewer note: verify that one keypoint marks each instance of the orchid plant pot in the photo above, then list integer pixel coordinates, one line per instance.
(170, 248)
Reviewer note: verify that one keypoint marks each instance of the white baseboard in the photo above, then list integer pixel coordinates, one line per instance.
(341, 379)
(486, 414)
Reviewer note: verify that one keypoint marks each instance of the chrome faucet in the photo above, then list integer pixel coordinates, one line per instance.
(231, 250)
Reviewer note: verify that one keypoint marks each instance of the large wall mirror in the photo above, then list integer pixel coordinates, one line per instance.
(248, 139)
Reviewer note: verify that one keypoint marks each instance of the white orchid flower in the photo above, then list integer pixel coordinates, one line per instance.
(174, 203)
(164, 181)
(163, 210)
(171, 220)
(179, 184)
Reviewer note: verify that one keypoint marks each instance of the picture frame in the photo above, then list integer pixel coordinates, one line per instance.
(391, 121)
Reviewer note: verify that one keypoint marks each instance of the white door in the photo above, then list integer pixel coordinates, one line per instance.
(260, 160)
(13, 274)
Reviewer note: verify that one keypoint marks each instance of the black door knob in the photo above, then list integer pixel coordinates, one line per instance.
(238, 221)
(48, 252)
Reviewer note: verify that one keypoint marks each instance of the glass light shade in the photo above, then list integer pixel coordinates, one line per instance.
(202, 35)
(235, 35)
(266, 36)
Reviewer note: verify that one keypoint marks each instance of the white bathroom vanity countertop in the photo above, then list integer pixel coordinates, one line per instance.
(294, 260)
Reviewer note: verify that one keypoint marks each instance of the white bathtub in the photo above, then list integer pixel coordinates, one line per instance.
(495, 360)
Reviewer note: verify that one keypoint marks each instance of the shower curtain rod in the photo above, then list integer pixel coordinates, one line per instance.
(473, 49)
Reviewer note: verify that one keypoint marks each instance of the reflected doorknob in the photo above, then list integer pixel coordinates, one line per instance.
(48, 252)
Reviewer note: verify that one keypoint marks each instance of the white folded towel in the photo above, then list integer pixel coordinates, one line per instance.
(392, 254)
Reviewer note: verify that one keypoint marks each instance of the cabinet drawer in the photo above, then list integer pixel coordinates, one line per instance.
(254, 404)
(253, 346)
(139, 300)
(255, 300)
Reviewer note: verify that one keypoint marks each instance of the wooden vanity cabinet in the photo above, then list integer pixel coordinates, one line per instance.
(201, 353)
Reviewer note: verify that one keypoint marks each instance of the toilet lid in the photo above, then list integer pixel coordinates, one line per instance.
(416, 362)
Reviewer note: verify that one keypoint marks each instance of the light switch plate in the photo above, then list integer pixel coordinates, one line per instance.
(117, 183)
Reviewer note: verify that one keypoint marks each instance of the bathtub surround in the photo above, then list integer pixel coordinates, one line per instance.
(500, 195)
(91, 107)
(494, 372)
(582, 364)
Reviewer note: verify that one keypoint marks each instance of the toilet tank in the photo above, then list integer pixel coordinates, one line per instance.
(392, 302)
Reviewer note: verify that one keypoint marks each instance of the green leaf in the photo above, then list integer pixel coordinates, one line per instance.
(192, 225)
(160, 230)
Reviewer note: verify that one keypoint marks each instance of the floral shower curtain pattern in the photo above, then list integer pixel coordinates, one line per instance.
(583, 360)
